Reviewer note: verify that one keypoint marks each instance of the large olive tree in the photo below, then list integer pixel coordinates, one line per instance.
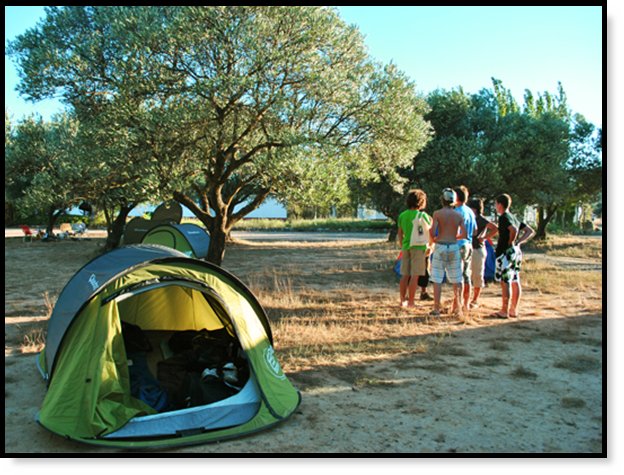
(226, 103)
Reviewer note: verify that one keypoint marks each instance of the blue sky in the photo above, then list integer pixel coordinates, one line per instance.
(526, 47)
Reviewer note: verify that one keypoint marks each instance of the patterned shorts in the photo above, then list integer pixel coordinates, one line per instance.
(446, 258)
(508, 265)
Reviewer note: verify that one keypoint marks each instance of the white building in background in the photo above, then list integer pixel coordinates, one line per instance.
(366, 213)
(270, 209)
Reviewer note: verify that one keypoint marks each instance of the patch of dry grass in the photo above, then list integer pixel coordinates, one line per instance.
(343, 307)
(34, 337)
(553, 279)
(567, 246)
(579, 364)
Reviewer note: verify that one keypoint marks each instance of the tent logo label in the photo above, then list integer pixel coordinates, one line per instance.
(272, 364)
(93, 281)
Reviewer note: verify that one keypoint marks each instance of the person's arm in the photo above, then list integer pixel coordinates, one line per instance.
(493, 231)
(527, 233)
(433, 229)
(462, 229)
(513, 233)
(400, 236)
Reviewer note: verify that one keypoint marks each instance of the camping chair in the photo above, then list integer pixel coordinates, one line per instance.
(27, 233)
(79, 229)
(65, 229)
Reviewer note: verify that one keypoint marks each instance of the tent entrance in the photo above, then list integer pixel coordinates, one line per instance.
(193, 370)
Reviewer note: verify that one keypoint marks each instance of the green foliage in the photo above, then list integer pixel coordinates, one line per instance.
(222, 105)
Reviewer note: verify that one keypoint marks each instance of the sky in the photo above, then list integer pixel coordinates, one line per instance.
(527, 47)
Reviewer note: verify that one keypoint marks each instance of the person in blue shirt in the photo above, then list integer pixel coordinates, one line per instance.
(465, 242)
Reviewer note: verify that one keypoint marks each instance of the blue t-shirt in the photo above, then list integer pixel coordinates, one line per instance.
(469, 221)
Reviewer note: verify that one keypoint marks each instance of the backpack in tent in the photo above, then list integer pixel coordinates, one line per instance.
(100, 393)
(187, 238)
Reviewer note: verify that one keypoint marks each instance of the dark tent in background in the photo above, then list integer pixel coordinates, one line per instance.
(167, 213)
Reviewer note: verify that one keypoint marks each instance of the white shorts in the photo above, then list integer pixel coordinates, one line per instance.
(446, 259)
(478, 266)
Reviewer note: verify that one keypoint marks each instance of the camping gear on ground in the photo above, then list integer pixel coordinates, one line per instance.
(28, 234)
(187, 238)
(160, 292)
(168, 212)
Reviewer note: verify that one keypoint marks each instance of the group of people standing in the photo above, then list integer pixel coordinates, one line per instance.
(457, 233)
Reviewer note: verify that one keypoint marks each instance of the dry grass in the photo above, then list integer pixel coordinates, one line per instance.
(553, 279)
(337, 303)
(34, 336)
(342, 309)
(567, 246)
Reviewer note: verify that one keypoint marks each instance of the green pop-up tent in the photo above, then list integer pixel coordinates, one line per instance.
(162, 291)
(187, 238)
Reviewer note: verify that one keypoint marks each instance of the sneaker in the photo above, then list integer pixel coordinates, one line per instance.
(230, 375)
(425, 296)
(210, 373)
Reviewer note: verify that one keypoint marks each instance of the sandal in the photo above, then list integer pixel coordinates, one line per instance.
(433, 313)
(497, 315)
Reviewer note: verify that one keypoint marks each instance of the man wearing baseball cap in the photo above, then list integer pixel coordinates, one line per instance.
(446, 257)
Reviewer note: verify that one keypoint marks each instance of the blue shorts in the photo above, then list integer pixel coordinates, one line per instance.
(446, 258)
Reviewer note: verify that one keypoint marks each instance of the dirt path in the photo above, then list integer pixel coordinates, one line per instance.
(531, 385)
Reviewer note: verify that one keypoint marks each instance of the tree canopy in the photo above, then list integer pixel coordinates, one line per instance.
(223, 101)
(220, 106)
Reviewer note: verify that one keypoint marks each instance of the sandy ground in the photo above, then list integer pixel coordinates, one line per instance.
(529, 385)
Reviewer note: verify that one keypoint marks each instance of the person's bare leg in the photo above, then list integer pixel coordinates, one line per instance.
(516, 294)
(475, 297)
(506, 287)
(403, 289)
(466, 292)
(437, 295)
(413, 287)
(457, 299)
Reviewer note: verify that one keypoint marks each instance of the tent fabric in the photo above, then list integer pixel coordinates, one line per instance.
(157, 288)
(238, 409)
(187, 238)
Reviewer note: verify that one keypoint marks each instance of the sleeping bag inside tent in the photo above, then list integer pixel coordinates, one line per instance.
(149, 348)
(187, 238)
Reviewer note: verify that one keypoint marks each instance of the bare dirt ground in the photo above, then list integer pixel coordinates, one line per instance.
(527, 385)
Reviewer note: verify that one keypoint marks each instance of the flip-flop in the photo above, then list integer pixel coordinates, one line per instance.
(498, 315)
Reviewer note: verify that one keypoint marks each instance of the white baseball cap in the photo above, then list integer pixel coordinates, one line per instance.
(449, 194)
